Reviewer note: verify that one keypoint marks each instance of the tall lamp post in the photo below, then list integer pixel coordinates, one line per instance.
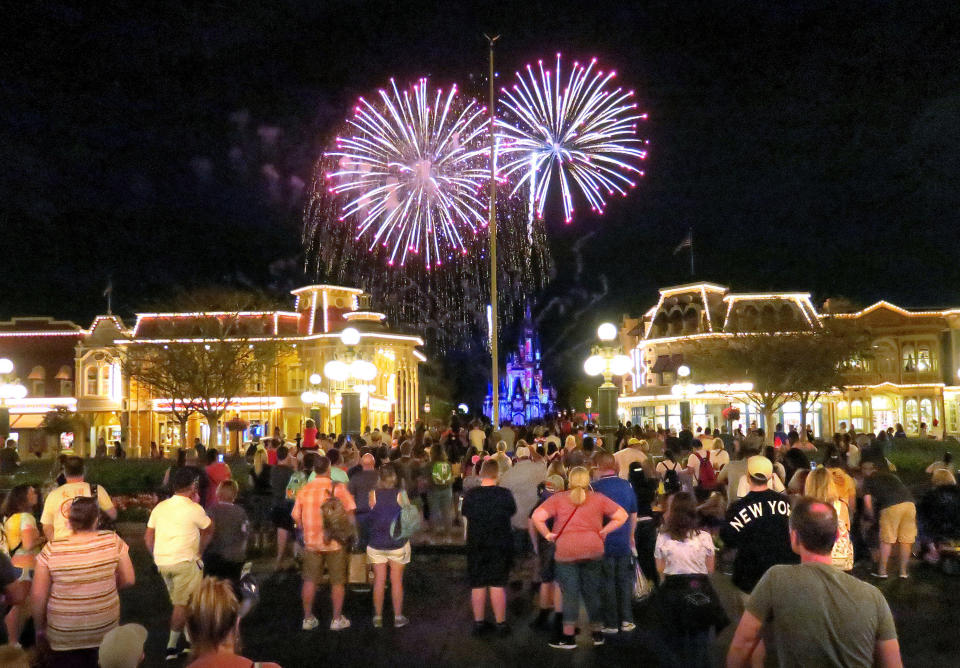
(315, 397)
(607, 361)
(351, 366)
(10, 388)
(685, 390)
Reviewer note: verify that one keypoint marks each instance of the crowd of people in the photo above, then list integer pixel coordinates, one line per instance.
(555, 508)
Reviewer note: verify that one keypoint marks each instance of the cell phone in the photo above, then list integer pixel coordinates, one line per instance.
(813, 466)
(220, 458)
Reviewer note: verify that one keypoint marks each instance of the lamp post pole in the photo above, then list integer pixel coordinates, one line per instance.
(10, 388)
(494, 353)
(607, 361)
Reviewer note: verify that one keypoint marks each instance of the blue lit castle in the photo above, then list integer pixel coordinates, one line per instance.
(523, 395)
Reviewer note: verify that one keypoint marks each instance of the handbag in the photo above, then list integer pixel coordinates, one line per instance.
(842, 553)
(642, 587)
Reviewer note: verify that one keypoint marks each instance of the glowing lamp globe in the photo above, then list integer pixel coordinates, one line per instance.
(350, 336)
(12, 391)
(594, 365)
(620, 365)
(6, 366)
(683, 371)
(336, 370)
(308, 397)
(463, 408)
(315, 379)
(363, 370)
(607, 331)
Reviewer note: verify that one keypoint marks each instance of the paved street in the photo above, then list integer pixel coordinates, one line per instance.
(925, 608)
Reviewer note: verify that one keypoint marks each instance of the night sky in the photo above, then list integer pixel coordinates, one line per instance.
(166, 144)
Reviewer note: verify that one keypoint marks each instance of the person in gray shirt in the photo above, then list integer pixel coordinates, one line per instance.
(818, 615)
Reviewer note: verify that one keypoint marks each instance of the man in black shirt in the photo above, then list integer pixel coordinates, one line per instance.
(758, 525)
(488, 510)
(9, 458)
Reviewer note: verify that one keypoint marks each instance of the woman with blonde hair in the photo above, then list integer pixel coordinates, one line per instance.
(820, 486)
(718, 455)
(503, 461)
(213, 623)
(582, 519)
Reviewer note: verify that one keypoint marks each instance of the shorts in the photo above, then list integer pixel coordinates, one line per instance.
(488, 566)
(182, 580)
(547, 565)
(335, 563)
(898, 523)
(399, 556)
(280, 517)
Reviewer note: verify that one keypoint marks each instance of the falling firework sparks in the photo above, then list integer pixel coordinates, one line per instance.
(412, 172)
(582, 126)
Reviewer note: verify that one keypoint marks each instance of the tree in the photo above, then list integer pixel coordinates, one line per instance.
(60, 421)
(799, 365)
(203, 361)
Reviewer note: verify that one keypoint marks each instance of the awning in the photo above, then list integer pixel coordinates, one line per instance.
(667, 363)
(105, 419)
(26, 421)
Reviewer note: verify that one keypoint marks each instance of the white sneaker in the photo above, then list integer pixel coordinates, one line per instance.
(400, 621)
(627, 626)
(310, 623)
(340, 623)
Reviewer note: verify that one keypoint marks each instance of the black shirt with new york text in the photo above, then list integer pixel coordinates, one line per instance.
(758, 525)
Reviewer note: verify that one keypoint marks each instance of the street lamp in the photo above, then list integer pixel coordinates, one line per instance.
(607, 361)
(352, 366)
(10, 388)
(426, 405)
(588, 404)
(315, 397)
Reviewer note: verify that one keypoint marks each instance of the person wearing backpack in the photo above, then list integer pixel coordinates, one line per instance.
(669, 471)
(323, 510)
(701, 467)
(440, 491)
(387, 546)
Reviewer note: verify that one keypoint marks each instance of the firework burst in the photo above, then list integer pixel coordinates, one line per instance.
(411, 172)
(579, 126)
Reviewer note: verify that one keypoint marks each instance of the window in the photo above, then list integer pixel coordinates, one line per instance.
(91, 387)
(66, 388)
(37, 388)
(909, 357)
(911, 415)
(856, 414)
(926, 412)
(296, 379)
(924, 358)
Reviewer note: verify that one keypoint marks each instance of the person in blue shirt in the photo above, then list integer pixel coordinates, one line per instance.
(619, 548)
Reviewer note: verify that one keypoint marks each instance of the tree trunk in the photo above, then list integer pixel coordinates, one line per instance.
(769, 425)
(212, 420)
(183, 432)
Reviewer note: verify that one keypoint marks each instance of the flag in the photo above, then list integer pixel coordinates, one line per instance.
(686, 243)
(109, 290)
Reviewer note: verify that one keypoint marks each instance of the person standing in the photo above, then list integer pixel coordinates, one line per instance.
(56, 507)
(361, 484)
(74, 596)
(383, 549)
(820, 616)
(579, 531)
(440, 492)
(227, 550)
(9, 458)
(522, 479)
(488, 509)
(634, 452)
(322, 550)
(309, 436)
(757, 525)
(178, 532)
(280, 476)
(619, 548)
(23, 543)
(887, 500)
(216, 472)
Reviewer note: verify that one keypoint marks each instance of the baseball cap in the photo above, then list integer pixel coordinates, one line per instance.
(123, 646)
(759, 468)
(523, 451)
(633, 441)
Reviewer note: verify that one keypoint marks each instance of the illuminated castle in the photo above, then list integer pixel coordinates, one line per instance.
(523, 395)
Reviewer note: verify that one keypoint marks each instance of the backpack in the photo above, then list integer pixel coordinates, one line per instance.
(407, 522)
(707, 476)
(336, 521)
(671, 480)
(297, 480)
(442, 474)
(105, 523)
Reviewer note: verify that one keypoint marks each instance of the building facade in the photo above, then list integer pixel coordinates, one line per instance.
(911, 377)
(65, 366)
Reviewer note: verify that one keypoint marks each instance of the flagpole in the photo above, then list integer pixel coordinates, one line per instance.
(691, 252)
(494, 353)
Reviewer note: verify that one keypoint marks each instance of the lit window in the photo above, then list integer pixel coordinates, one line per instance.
(92, 376)
(924, 359)
(909, 357)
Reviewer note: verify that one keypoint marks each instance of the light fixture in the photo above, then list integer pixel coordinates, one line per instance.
(463, 408)
(607, 331)
(588, 403)
(6, 366)
(12, 391)
(315, 379)
(350, 336)
(620, 365)
(363, 370)
(683, 371)
(593, 365)
(336, 370)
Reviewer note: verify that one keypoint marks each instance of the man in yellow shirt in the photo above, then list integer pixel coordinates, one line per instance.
(56, 507)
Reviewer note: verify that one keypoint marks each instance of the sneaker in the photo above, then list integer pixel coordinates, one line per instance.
(172, 654)
(377, 621)
(882, 576)
(187, 648)
(503, 629)
(598, 638)
(310, 623)
(610, 630)
(626, 627)
(400, 621)
(340, 623)
(564, 642)
(479, 628)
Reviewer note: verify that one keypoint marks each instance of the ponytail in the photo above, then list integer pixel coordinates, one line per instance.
(579, 484)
